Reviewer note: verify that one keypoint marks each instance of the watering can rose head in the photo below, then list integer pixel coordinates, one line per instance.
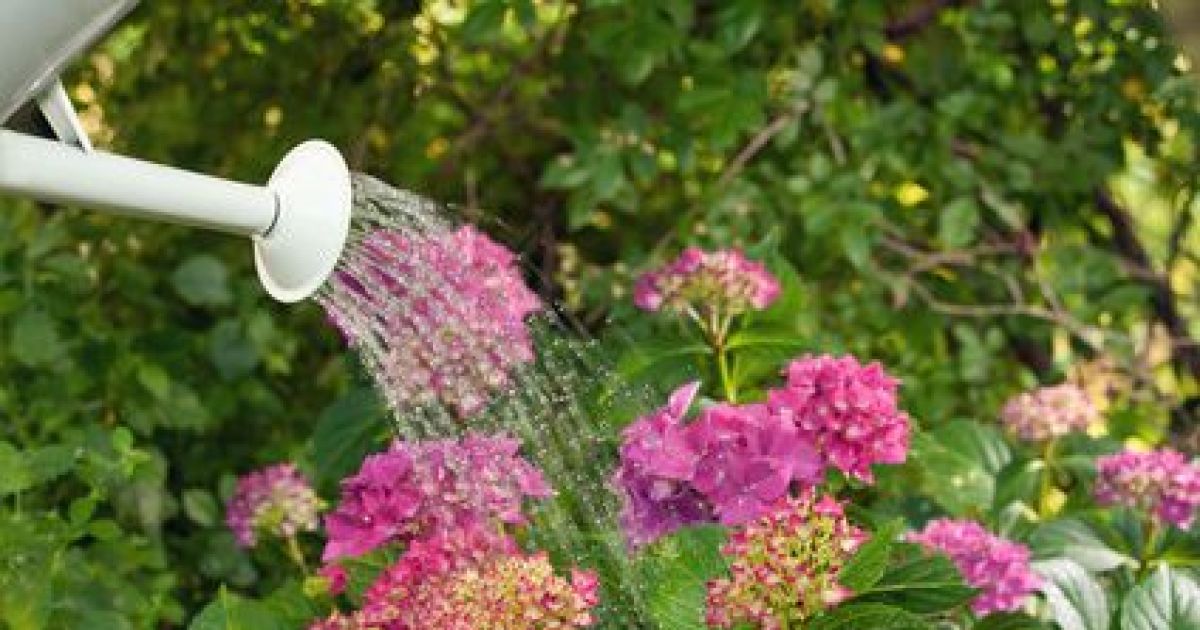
(441, 314)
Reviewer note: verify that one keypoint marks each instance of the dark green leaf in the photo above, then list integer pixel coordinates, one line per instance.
(921, 583)
(870, 562)
(203, 281)
(855, 616)
(230, 611)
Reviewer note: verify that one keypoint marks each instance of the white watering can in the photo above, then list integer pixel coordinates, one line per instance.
(298, 222)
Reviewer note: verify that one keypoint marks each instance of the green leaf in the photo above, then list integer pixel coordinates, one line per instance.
(200, 506)
(863, 616)
(870, 562)
(484, 21)
(958, 222)
(362, 571)
(978, 442)
(232, 352)
(954, 479)
(921, 583)
(1009, 621)
(1075, 539)
(230, 611)
(675, 571)
(1167, 600)
(34, 340)
(346, 431)
(1077, 601)
(202, 280)
(738, 22)
(22, 470)
(29, 552)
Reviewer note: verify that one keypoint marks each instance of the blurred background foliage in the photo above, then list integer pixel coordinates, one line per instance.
(983, 195)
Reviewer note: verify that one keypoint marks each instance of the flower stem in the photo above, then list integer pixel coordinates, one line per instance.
(1149, 544)
(296, 555)
(1047, 484)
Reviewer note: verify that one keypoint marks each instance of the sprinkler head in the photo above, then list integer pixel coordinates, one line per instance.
(313, 196)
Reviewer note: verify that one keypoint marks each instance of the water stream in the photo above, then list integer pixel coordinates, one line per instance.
(457, 343)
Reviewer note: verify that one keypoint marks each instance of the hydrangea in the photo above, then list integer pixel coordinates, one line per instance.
(747, 458)
(783, 566)
(655, 471)
(999, 567)
(415, 489)
(731, 464)
(1049, 412)
(847, 410)
(471, 579)
(1163, 483)
(276, 500)
(441, 315)
(723, 281)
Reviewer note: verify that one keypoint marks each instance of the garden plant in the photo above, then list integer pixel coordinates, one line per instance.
(750, 314)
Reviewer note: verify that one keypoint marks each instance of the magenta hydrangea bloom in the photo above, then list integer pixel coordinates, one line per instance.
(997, 566)
(1163, 483)
(1049, 412)
(783, 566)
(655, 472)
(415, 489)
(730, 465)
(724, 281)
(440, 316)
(276, 500)
(469, 580)
(848, 411)
(747, 458)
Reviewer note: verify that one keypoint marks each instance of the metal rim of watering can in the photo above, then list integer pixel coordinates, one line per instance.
(313, 194)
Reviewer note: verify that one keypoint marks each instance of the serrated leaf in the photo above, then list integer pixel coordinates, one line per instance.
(675, 571)
(1076, 600)
(863, 616)
(230, 611)
(346, 431)
(1075, 539)
(921, 583)
(870, 562)
(1167, 600)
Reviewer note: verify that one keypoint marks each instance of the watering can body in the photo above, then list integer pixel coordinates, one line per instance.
(39, 37)
(298, 221)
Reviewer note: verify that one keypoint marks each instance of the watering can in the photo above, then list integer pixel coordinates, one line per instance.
(297, 222)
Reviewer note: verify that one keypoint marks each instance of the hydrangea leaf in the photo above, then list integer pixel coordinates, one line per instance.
(1167, 600)
(855, 616)
(1076, 599)
(920, 583)
(674, 573)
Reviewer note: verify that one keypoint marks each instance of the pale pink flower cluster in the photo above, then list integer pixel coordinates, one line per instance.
(1163, 483)
(1049, 412)
(276, 500)
(997, 566)
(471, 579)
(783, 567)
(442, 314)
(414, 490)
(846, 410)
(722, 281)
(729, 465)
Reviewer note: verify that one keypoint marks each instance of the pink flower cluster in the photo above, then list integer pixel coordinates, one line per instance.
(999, 567)
(414, 490)
(440, 315)
(723, 281)
(471, 579)
(729, 465)
(1049, 412)
(846, 410)
(276, 500)
(784, 566)
(1163, 483)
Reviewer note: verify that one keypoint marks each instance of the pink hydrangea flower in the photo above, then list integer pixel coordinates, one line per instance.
(999, 567)
(783, 567)
(1049, 412)
(847, 410)
(724, 281)
(440, 316)
(730, 465)
(276, 500)
(655, 472)
(468, 580)
(415, 489)
(1163, 483)
(747, 458)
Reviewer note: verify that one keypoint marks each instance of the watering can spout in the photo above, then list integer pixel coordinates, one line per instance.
(298, 221)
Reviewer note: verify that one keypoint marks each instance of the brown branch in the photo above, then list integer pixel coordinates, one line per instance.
(1184, 350)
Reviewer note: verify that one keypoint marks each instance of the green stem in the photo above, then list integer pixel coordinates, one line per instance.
(1047, 484)
(727, 384)
(297, 556)
(1149, 545)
